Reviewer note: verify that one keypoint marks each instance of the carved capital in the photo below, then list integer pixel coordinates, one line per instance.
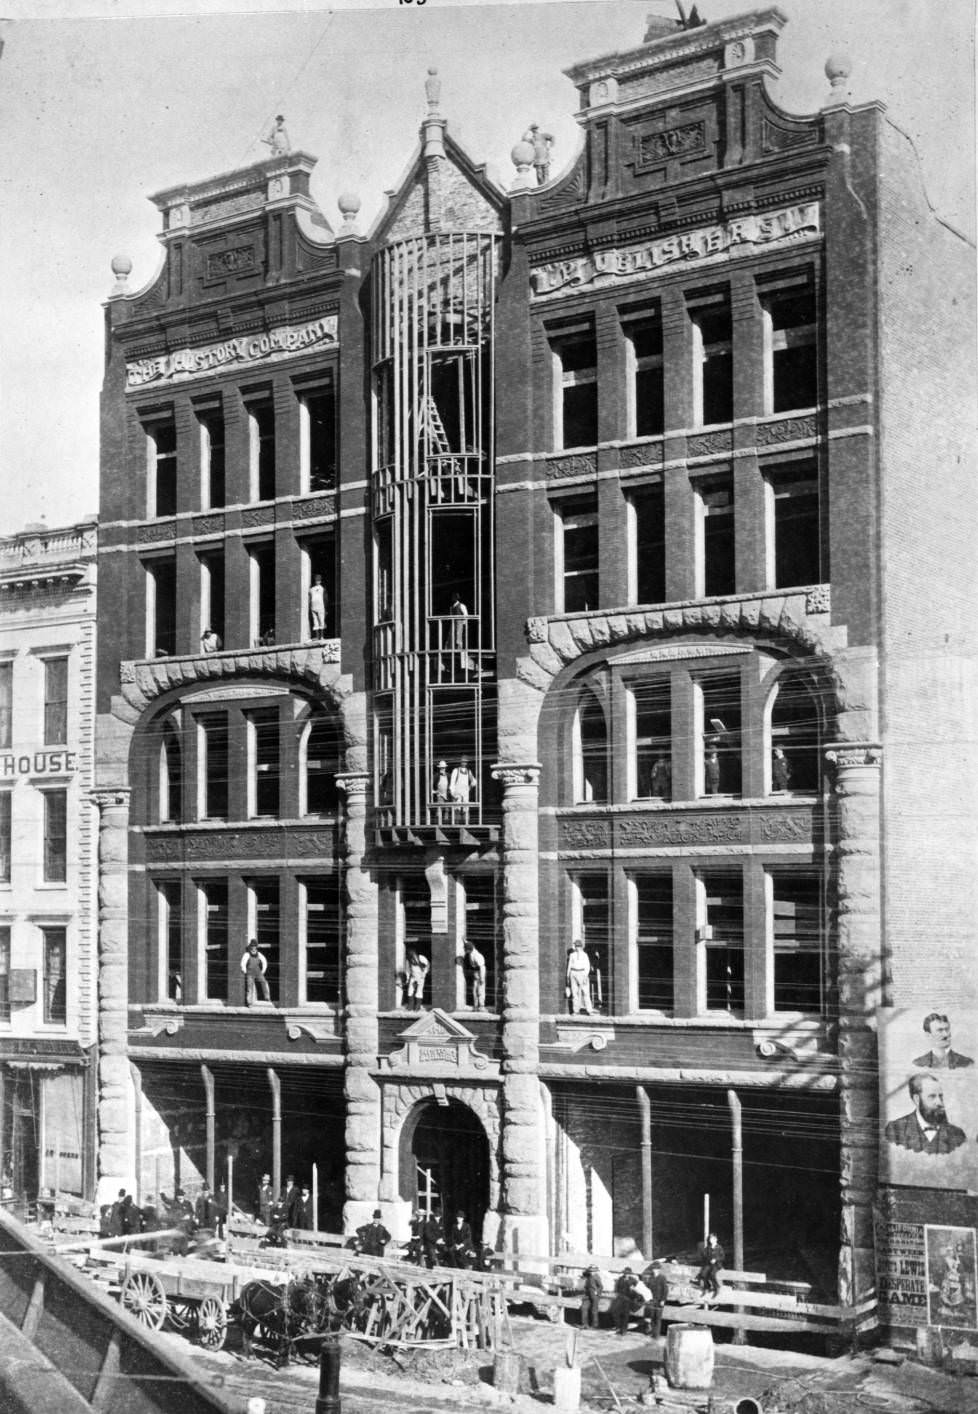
(116, 798)
(512, 776)
(127, 671)
(847, 758)
(353, 783)
(818, 599)
(536, 630)
(331, 650)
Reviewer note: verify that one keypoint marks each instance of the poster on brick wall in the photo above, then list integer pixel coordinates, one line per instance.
(952, 1278)
(929, 1096)
(901, 1272)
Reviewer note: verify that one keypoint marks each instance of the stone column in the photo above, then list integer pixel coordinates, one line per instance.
(524, 1187)
(115, 1091)
(859, 948)
(362, 1033)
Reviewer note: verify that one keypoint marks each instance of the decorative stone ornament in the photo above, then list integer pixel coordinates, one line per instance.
(522, 156)
(349, 205)
(121, 269)
(838, 70)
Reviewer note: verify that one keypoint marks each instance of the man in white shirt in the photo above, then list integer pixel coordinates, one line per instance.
(317, 607)
(474, 967)
(578, 979)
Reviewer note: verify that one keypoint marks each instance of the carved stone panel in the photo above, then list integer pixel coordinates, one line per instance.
(792, 429)
(190, 846)
(436, 1041)
(559, 467)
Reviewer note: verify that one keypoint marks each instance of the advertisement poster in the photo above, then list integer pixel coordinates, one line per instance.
(901, 1272)
(951, 1277)
(929, 1097)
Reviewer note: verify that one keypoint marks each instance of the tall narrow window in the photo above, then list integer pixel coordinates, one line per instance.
(719, 702)
(6, 834)
(576, 401)
(713, 365)
(653, 740)
(55, 943)
(162, 450)
(721, 935)
(170, 940)
(648, 549)
(265, 761)
(595, 933)
(212, 594)
(592, 732)
(212, 753)
(384, 542)
(55, 701)
(217, 964)
(717, 569)
(319, 561)
(481, 932)
(262, 559)
(645, 352)
(171, 775)
(794, 553)
(654, 942)
(579, 547)
(795, 735)
(323, 935)
(212, 458)
(322, 764)
(161, 607)
(6, 703)
(4, 973)
(55, 836)
(796, 934)
(265, 899)
(793, 366)
(262, 431)
(318, 440)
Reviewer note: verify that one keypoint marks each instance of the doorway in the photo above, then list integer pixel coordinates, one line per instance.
(445, 1163)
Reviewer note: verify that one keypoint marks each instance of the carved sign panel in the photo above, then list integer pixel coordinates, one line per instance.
(282, 342)
(437, 1041)
(701, 246)
(654, 148)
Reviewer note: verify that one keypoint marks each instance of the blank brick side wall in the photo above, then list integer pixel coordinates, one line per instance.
(929, 556)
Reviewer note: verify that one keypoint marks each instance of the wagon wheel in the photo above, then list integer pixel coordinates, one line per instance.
(143, 1296)
(212, 1323)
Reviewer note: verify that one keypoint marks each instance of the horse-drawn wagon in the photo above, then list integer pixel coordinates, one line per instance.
(194, 1296)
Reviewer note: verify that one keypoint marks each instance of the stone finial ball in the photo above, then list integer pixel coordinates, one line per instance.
(838, 66)
(349, 204)
(121, 266)
(522, 154)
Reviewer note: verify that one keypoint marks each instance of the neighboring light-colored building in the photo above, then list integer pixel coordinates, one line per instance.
(623, 486)
(48, 837)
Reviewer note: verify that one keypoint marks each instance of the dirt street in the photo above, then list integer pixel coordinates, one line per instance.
(613, 1368)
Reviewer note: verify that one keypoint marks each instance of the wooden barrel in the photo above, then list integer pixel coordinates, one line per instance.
(689, 1357)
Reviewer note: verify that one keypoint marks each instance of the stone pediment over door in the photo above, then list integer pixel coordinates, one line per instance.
(436, 1042)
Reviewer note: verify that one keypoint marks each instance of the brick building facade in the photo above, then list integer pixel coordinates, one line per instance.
(48, 1011)
(614, 484)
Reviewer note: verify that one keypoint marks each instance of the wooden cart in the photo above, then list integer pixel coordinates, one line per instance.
(193, 1295)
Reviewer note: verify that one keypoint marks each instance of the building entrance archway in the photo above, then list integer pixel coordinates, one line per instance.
(444, 1162)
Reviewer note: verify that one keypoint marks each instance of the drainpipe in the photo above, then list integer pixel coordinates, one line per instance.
(737, 1154)
(137, 1105)
(645, 1119)
(276, 1085)
(208, 1077)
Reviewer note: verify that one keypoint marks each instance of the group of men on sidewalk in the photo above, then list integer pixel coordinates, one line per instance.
(644, 1297)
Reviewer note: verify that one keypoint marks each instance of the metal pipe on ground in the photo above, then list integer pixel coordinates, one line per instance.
(328, 1399)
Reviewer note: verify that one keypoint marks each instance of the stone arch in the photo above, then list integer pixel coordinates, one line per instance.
(794, 623)
(403, 1107)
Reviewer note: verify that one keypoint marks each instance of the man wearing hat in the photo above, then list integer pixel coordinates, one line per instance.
(591, 1300)
(373, 1236)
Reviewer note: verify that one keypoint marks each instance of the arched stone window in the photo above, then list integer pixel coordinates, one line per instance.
(590, 751)
(793, 759)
